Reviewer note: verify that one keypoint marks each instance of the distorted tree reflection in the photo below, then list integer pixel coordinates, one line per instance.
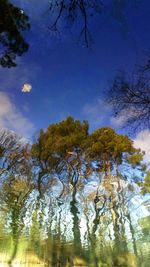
(60, 152)
(52, 211)
(16, 186)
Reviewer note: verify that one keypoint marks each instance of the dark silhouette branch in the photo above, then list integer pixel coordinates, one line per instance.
(75, 11)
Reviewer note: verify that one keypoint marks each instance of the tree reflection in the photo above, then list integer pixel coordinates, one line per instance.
(51, 212)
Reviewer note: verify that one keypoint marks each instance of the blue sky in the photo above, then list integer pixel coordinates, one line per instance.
(69, 79)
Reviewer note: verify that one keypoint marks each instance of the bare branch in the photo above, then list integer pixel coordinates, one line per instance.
(72, 11)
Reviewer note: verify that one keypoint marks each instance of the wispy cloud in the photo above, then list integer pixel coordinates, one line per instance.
(122, 118)
(119, 120)
(97, 113)
(142, 141)
(11, 118)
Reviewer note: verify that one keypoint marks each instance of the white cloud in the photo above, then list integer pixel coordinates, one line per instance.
(119, 120)
(122, 118)
(26, 88)
(11, 118)
(142, 141)
(97, 113)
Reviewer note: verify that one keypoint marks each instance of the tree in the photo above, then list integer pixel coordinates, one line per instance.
(130, 98)
(16, 186)
(110, 150)
(58, 150)
(14, 154)
(13, 21)
(66, 150)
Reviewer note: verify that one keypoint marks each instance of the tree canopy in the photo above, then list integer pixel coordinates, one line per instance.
(110, 149)
(68, 150)
(67, 157)
(58, 149)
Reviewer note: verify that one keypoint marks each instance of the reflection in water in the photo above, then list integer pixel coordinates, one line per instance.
(68, 199)
(101, 228)
(63, 209)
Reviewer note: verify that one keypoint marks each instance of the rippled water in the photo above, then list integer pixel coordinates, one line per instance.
(63, 199)
(77, 231)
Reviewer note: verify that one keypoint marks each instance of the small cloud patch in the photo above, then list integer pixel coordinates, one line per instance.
(26, 88)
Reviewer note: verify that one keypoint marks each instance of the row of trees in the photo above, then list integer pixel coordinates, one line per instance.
(67, 151)
(66, 155)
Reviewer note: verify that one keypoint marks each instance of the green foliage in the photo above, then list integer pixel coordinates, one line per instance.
(135, 158)
(108, 147)
(68, 146)
(59, 142)
(146, 184)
